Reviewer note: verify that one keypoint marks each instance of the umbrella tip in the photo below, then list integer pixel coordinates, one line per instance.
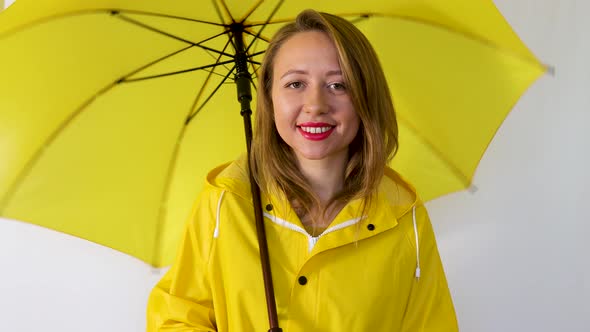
(550, 70)
(158, 271)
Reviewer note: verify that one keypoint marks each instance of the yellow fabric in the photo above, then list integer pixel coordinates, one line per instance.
(114, 163)
(357, 279)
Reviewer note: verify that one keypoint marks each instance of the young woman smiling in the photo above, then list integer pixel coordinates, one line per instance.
(351, 246)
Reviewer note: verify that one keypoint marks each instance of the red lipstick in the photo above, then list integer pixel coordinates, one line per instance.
(315, 131)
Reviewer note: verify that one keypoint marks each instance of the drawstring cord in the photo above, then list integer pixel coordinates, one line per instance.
(417, 243)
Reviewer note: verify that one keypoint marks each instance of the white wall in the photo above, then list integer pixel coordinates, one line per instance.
(514, 252)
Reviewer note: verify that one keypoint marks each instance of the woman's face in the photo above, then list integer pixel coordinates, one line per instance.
(313, 111)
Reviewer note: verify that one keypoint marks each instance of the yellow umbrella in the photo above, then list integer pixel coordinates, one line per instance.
(111, 112)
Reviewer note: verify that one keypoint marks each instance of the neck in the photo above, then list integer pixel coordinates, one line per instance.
(325, 176)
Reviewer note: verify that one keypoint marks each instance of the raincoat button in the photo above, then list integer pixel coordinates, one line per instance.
(302, 280)
(268, 207)
(371, 227)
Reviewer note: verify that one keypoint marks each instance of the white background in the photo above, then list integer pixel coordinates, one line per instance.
(515, 251)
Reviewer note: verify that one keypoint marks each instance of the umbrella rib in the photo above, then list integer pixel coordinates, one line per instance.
(251, 10)
(224, 65)
(213, 72)
(190, 118)
(253, 62)
(219, 57)
(253, 83)
(450, 165)
(202, 89)
(217, 10)
(175, 72)
(256, 24)
(203, 41)
(110, 11)
(227, 32)
(229, 40)
(227, 10)
(255, 73)
(250, 56)
(272, 14)
(213, 37)
(115, 11)
(254, 35)
(255, 54)
(153, 29)
(291, 19)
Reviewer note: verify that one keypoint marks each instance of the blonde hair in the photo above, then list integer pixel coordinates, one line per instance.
(273, 162)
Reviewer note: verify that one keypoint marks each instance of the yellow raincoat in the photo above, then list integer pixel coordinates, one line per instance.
(362, 274)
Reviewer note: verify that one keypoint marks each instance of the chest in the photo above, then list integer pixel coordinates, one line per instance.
(346, 279)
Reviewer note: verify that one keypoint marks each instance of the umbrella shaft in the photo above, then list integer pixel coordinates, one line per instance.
(242, 77)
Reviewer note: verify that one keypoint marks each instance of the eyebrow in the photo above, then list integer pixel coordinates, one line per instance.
(303, 72)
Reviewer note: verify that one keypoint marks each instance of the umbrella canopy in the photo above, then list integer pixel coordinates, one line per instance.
(111, 112)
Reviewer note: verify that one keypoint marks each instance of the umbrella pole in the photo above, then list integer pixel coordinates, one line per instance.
(245, 97)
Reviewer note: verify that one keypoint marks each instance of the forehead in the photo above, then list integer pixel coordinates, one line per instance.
(308, 49)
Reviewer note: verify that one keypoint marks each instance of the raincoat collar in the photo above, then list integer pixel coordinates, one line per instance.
(394, 199)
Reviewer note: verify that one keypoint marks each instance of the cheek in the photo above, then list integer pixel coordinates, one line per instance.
(352, 117)
(281, 118)
(283, 109)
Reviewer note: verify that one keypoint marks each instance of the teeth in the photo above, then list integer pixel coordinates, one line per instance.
(315, 130)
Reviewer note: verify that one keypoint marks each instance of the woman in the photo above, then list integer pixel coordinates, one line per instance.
(351, 245)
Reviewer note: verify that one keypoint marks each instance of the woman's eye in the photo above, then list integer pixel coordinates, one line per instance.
(337, 86)
(294, 85)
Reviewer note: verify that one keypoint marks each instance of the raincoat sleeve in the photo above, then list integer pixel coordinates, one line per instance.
(182, 300)
(430, 307)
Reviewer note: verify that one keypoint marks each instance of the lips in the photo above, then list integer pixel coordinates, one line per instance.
(315, 131)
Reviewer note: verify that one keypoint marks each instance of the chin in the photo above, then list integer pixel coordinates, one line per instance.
(317, 155)
(310, 155)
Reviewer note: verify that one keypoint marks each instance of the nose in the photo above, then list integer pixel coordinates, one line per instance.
(315, 100)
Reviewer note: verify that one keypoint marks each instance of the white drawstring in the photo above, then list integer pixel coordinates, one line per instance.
(417, 243)
(216, 232)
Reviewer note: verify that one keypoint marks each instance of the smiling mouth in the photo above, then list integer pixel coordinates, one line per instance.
(316, 130)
